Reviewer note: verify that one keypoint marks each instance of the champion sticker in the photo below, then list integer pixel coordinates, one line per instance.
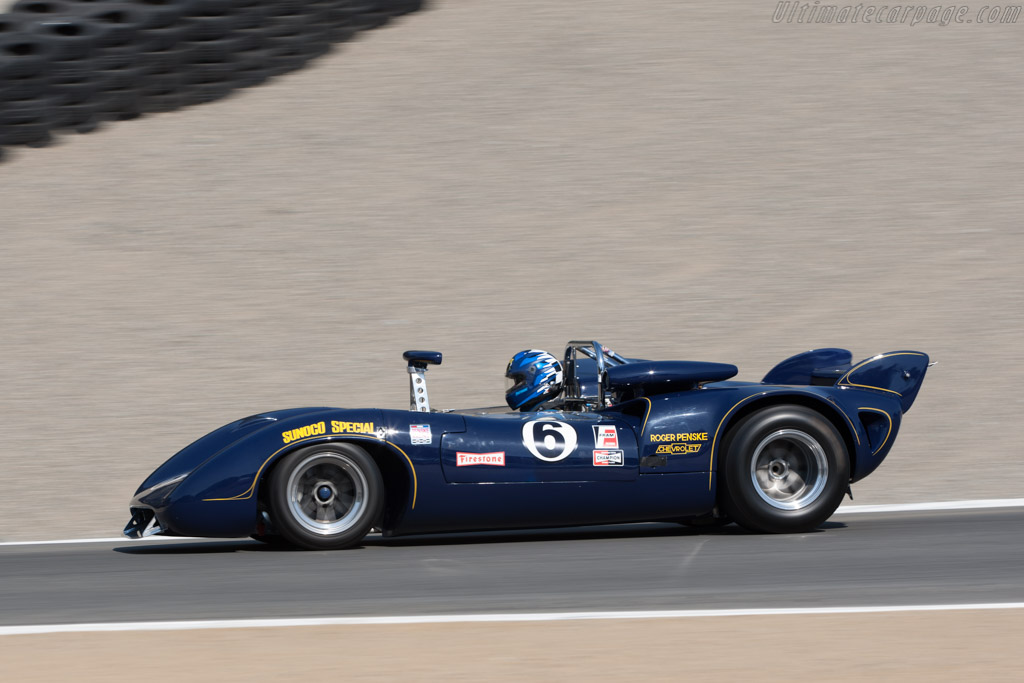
(466, 459)
(608, 458)
(549, 440)
(419, 435)
(606, 436)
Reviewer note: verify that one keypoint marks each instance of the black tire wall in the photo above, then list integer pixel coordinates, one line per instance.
(68, 65)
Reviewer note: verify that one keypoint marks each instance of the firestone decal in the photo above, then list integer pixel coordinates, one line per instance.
(608, 458)
(606, 436)
(549, 440)
(419, 435)
(466, 459)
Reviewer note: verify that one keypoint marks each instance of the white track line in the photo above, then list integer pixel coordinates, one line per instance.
(843, 510)
(112, 539)
(484, 618)
(923, 507)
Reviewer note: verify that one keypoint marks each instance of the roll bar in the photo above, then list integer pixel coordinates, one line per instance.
(595, 351)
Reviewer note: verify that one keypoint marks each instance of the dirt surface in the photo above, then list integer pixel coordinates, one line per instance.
(685, 180)
(938, 646)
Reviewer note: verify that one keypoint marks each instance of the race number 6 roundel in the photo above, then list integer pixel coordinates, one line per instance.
(549, 440)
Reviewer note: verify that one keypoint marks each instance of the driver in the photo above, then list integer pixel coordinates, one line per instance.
(534, 377)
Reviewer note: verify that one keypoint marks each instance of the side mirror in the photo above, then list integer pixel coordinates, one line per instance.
(422, 358)
(418, 361)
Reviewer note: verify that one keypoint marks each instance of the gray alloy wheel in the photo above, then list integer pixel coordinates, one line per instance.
(326, 496)
(789, 469)
(327, 492)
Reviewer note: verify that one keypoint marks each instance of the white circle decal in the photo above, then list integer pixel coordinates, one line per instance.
(549, 440)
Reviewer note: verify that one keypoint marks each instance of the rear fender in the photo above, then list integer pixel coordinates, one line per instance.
(898, 373)
(841, 416)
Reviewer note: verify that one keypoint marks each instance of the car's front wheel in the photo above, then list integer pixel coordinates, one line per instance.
(327, 496)
(785, 470)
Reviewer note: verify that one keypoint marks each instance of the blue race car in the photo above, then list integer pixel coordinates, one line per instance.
(593, 438)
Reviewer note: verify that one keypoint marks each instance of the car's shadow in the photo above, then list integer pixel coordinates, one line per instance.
(588, 533)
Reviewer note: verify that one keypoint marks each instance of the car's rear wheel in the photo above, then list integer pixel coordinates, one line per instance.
(785, 470)
(327, 496)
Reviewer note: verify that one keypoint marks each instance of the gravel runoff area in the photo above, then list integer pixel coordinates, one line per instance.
(931, 646)
(685, 180)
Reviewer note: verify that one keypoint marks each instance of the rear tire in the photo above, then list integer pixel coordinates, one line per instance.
(785, 470)
(326, 496)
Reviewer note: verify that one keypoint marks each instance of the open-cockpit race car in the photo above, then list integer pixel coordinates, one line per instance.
(615, 440)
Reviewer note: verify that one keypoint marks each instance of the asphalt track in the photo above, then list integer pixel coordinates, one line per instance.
(918, 558)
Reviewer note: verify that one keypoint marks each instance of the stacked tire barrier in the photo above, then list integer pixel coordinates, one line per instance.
(68, 65)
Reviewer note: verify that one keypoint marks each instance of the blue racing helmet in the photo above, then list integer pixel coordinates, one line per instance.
(536, 376)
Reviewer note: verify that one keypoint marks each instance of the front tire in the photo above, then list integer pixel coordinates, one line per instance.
(786, 469)
(326, 496)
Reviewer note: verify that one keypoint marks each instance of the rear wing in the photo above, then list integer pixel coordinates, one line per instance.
(899, 373)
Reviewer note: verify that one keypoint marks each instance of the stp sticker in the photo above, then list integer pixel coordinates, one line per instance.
(606, 436)
(466, 459)
(608, 458)
(419, 434)
(549, 440)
